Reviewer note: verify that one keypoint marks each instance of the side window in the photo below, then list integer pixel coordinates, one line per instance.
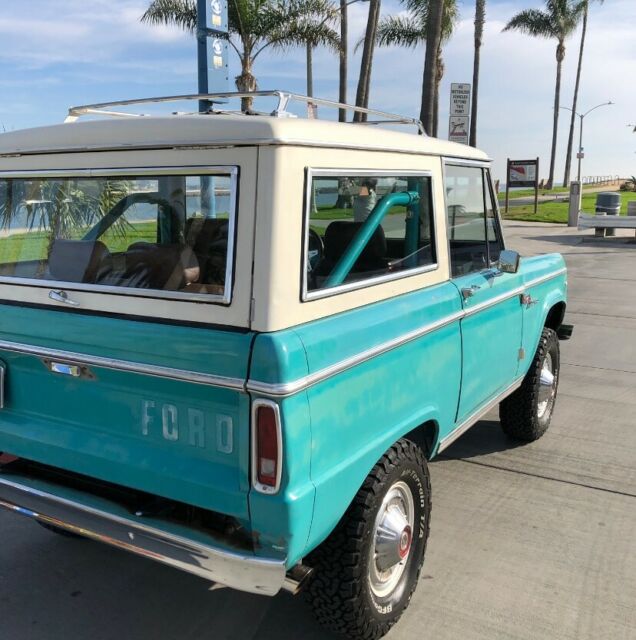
(364, 227)
(495, 243)
(166, 233)
(472, 229)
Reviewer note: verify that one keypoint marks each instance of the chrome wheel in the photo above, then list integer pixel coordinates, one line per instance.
(392, 538)
(547, 387)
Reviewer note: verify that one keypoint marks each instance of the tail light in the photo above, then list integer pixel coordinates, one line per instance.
(266, 446)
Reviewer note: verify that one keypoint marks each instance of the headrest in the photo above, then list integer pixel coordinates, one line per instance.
(161, 266)
(339, 235)
(202, 233)
(77, 260)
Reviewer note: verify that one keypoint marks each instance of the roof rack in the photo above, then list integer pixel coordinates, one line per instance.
(284, 98)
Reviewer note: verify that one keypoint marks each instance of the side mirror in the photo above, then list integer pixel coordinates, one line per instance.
(509, 261)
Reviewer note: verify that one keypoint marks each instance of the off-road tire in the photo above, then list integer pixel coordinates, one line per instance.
(340, 592)
(519, 413)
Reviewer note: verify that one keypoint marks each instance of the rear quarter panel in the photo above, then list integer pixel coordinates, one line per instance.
(357, 414)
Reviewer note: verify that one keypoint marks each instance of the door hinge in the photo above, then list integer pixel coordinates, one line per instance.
(522, 353)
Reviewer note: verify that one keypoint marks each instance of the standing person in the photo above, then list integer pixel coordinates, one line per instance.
(366, 199)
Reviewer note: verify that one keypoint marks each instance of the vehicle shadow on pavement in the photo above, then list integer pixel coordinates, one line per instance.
(54, 588)
(483, 438)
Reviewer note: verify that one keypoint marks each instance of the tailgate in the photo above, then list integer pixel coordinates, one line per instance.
(152, 406)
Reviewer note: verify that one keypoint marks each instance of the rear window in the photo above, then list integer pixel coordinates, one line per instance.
(148, 233)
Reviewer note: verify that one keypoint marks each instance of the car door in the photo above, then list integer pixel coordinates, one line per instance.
(492, 325)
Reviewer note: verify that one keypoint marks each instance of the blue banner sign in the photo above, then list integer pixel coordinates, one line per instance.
(218, 53)
(216, 15)
(213, 47)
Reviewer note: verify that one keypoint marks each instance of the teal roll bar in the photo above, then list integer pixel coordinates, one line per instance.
(360, 240)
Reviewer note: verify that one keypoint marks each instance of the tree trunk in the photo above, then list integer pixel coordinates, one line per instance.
(433, 38)
(568, 157)
(364, 81)
(480, 17)
(246, 82)
(560, 54)
(342, 94)
(310, 70)
(439, 74)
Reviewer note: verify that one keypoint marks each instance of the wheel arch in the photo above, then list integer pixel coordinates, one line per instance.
(335, 493)
(425, 436)
(555, 315)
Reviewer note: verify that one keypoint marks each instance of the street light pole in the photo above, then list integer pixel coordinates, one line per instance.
(579, 155)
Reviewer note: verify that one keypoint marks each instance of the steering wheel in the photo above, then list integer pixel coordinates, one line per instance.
(315, 250)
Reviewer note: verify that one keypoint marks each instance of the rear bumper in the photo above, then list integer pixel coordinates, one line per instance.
(197, 556)
(565, 331)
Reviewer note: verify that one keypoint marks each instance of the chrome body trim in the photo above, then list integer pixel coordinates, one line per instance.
(295, 386)
(289, 388)
(263, 488)
(124, 365)
(477, 415)
(200, 556)
(62, 287)
(311, 173)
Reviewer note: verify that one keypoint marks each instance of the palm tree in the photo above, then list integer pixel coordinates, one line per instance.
(411, 30)
(317, 32)
(431, 67)
(364, 80)
(480, 18)
(254, 26)
(568, 157)
(558, 21)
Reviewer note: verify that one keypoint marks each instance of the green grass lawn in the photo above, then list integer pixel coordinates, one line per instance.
(32, 245)
(331, 213)
(528, 193)
(558, 211)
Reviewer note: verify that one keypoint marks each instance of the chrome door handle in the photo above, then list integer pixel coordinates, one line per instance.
(62, 296)
(469, 292)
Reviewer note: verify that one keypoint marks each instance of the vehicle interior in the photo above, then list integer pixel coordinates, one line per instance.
(178, 249)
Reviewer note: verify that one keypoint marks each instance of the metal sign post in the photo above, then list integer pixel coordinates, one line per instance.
(212, 48)
(212, 29)
(459, 119)
(523, 173)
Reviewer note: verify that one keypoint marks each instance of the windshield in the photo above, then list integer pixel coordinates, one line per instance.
(170, 233)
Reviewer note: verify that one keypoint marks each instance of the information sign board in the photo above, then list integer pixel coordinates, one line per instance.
(458, 129)
(460, 99)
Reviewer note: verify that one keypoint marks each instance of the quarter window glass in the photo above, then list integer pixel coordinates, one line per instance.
(167, 233)
(467, 226)
(358, 228)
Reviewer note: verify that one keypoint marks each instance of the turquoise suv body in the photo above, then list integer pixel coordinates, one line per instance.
(231, 343)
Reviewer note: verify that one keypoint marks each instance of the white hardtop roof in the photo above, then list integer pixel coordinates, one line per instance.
(200, 130)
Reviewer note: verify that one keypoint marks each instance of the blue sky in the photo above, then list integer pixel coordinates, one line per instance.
(56, 53)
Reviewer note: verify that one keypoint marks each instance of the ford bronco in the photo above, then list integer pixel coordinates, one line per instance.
(231, 342)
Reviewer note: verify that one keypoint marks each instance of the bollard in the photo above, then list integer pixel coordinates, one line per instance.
(575, 204)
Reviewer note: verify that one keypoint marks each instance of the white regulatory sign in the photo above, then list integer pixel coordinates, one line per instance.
(458, 129)
(460, 99)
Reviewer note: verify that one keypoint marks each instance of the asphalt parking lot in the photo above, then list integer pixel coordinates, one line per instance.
(526, 542)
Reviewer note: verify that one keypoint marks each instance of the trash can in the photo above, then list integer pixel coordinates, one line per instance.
(608, 203)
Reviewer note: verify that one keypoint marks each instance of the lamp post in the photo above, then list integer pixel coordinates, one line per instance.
(579, 155)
